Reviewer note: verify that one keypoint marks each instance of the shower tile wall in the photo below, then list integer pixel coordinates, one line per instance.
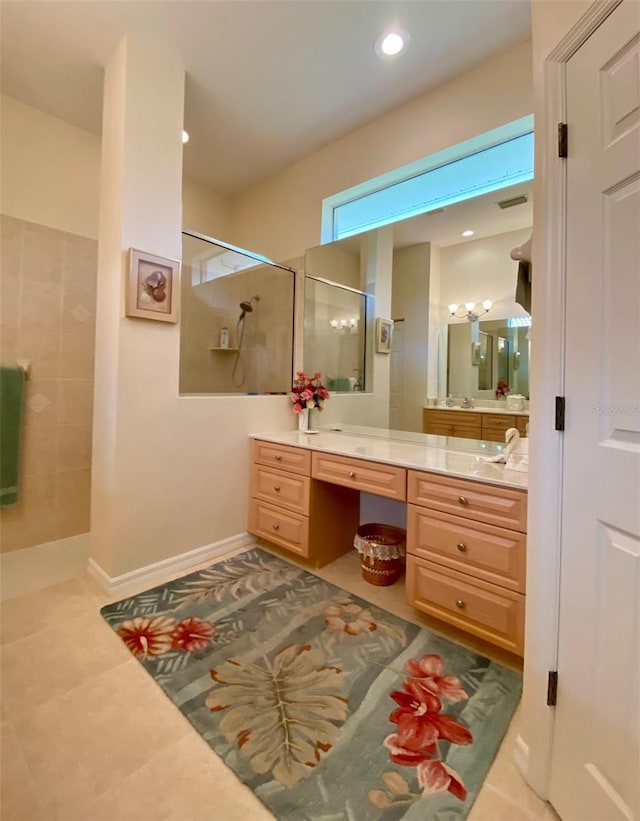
(48, 297)
(268, 331)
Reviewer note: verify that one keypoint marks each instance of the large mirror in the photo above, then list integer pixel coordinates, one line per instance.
(455, 256)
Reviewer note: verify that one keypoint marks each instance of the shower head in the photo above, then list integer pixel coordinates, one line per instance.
(247, 306)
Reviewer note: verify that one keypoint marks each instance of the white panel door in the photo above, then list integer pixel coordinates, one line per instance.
(596, 757)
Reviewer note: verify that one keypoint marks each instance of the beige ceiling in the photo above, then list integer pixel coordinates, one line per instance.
(268, 81)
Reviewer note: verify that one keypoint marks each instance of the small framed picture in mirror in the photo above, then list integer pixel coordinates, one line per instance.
(384, 333)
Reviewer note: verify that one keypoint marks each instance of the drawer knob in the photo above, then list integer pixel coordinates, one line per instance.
(352, 475)
(278, 458)
(462, 547)
(276, 488)
(460, 604)
(276, 527)
(463, 500)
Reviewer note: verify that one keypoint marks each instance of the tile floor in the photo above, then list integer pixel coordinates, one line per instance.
(88, 736)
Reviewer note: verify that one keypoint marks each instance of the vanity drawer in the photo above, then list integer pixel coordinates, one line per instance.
(494, 505)
(498, 421)
(521, 424)
(370, 477)
(280, 488)
(467, 419)
(279, 526)
(453, 430)
(492, 613)
(487, 552)
(295, 460)
(493, 435)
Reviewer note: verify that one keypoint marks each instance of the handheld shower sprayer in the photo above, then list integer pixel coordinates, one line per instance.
(238, 372)
(247, 306)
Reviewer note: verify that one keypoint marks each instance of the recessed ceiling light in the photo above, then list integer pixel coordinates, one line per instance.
(185, 137)
(391, 43)
(468, 233)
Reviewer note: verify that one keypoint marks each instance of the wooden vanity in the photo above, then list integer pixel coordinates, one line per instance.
(466, 537)
(473, 423)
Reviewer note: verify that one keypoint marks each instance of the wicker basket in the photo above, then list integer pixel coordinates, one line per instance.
(381, 548)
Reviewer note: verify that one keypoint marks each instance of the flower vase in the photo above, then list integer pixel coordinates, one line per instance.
(304, 421)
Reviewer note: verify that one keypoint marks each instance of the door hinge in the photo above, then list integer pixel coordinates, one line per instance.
(560, 405)
(552, 688)
(563, 147)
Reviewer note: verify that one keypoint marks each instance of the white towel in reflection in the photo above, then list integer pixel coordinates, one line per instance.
(516, 453)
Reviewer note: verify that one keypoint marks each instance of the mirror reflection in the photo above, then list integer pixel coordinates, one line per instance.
(236, 328)
(487, 352)
(335, 319)
(458, 257)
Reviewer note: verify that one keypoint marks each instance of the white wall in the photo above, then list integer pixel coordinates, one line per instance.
(50, 170)
(280, 216)
(204, 210)
(335, 263)
(51, 176)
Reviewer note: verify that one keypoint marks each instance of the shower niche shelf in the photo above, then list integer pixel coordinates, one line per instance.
(223, 349)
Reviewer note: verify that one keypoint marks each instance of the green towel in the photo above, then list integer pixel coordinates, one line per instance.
(11, 398)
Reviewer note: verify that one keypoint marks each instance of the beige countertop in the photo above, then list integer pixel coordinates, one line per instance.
(462, 458)
(480, 409)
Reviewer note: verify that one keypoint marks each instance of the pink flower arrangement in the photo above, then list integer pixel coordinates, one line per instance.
(502, 389)
(308, 392)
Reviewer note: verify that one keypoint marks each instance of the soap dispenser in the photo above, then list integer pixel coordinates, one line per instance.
(224, 337)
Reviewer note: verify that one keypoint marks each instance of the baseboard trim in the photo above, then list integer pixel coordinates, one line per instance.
(145, 576)
(521, 755)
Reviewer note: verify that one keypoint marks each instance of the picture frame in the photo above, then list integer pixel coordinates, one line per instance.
(384, 334)
(153, 287)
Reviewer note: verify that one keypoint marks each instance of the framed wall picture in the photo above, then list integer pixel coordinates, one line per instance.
(384, 332)
(153, 287)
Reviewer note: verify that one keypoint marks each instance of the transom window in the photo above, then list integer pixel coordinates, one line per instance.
(486, 163)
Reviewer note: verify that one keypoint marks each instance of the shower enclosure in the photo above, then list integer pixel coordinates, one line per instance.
(236, 325)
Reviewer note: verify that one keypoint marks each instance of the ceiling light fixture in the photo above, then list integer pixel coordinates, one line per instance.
(468, 233)
(185, 137)
(391, 43)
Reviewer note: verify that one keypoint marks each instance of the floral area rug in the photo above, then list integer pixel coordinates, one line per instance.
(324, 705)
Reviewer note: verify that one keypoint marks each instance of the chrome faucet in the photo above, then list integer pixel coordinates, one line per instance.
(467, 403)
